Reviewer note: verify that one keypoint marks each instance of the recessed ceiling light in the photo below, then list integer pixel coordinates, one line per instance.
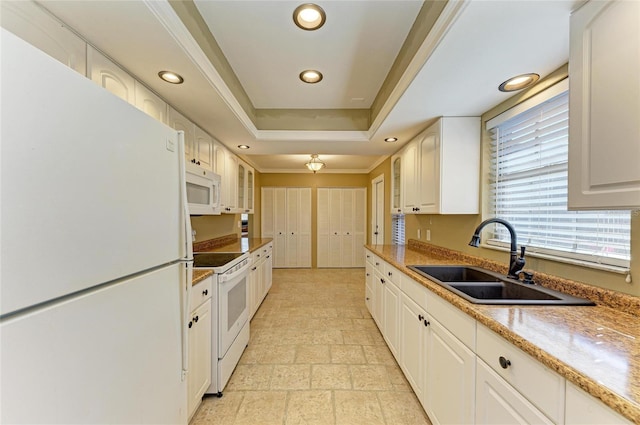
(243, 146)
(391, 139)
(171, 77)
(309, 16)
(519, 82)
(311, 76)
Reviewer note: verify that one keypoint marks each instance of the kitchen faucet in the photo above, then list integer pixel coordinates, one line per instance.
(516, 264)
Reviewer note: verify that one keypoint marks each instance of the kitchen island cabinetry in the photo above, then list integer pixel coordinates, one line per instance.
(199, 344)
(441, 168)
(604, 64)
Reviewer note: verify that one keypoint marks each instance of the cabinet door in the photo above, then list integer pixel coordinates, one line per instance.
(110, 76)
(181, 123)
(413, 344)
(604, 135)
(36, 26)
(360, 226)
(396, 184)
(203, 146)
(268, 272)
(267, 212)
(391, 311)
(254, 290)
(369, 294)
(241, 191)
(335, 229)
(409, 178)
(250, 189)
(429, 172)
(230, 184)
(149, 103)
(497, 402)
(199, 377)
(450, 378)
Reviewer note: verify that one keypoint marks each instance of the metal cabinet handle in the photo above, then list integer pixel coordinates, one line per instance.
(205, 292)
(195, 319)
(420, 317)
(426, 322)
(504, 363)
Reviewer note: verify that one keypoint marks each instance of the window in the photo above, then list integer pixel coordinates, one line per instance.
(528, 188)
(397, 229)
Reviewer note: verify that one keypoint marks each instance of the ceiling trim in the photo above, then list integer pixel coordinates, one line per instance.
(312, 136)
(169, 19)
(445, 21)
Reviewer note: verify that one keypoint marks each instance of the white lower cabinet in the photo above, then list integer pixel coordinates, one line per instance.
(199, 344)
(260, 277)
(582, 408)
(449, 391)
(391, 309)
(412, 346)
(497, 402)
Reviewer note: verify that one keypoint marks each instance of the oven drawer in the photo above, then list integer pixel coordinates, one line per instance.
(201, 292)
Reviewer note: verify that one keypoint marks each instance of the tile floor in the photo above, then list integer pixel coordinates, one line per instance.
(315, 357)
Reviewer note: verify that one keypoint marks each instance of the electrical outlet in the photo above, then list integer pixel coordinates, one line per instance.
(428, 235)
(193, 236)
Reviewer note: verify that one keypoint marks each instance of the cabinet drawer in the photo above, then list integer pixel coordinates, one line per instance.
(415, 291)
(454, 320)
(201, 292)
(540, 385)
(369, 257)
(257, 256)
(392, 274)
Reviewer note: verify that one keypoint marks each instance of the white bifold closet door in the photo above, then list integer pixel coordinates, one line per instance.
(341, 226)
(286, 218)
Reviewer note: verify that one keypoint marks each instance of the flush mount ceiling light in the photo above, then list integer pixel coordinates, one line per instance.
(171, 77)
(311, 76)
(315, 164)
(391, 139)
(518, 82)
(243, 146)
(309, 16)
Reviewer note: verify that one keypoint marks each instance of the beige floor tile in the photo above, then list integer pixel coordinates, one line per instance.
(358, 408)
(327, 336)
(262, 407)
(316, 353)
(214, 410)
(399, 408)
(347, 354)
(310, 408)
(291, 377)
(370, 377)
(357, 337)
(364, 324)
(250, 377)
(276, 354)
(330, 377)
(378, 354)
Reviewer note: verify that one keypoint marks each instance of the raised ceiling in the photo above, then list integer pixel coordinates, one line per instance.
(241, 61)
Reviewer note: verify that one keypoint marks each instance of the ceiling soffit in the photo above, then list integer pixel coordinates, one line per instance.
(309, 119)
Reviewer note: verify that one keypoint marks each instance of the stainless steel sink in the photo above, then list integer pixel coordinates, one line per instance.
(481, 286)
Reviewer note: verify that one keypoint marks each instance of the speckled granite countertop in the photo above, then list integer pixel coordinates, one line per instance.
(595, 347)
(232, 245)
(225, 244)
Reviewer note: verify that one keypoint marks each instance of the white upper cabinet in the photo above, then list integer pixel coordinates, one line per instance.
(604, 106)
(245, 188)
(30, 22)
(149, 103)
(110, 76)
(203, 149)
(179, 122)
(198, 145)
(396, 184)
(441, 168)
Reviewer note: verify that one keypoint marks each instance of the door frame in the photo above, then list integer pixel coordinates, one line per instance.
(377, 205)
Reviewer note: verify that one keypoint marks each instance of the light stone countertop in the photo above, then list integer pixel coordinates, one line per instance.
(595, 347)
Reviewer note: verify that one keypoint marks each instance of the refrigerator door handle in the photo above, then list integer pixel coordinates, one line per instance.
(185, 317)
(185, 205)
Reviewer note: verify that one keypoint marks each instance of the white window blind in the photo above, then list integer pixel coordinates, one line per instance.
(397, 229)
(529, 189)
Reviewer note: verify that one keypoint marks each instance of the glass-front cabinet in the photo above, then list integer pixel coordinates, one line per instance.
(245, 188)
(396, 184)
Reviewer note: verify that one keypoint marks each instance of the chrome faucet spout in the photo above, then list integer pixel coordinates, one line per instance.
(516, 264)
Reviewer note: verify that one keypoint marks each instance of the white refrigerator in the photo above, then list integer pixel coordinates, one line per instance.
(95, 254)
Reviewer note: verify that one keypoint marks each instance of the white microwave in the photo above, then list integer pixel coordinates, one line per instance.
(203, 191)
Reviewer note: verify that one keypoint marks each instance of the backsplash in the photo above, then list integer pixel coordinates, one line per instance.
(215, 242)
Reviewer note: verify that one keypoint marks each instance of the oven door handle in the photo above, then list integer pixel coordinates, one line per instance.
(225, 277)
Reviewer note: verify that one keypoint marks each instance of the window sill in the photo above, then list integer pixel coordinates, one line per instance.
(589, 264)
